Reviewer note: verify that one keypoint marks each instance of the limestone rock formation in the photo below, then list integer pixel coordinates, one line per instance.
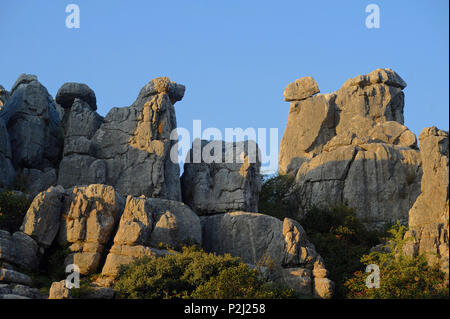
(221, 177)
(429, 217)
(129, 149)
(33, 144)
(258, 239)
(351, 147)
(89, 218)
(19, 250)
(71, 91)
(301, 89)
(145, 225)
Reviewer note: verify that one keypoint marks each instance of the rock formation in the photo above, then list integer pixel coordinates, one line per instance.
(229, 179)
(128, 149)
(350, 147)
(429, 217)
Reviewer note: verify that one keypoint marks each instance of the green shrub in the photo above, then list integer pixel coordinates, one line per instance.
(400, 276)
(275, 198)
(191, 274)
(13, 208)
(341, 239)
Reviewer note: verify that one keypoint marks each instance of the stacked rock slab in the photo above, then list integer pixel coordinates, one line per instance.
(129, 149)
(33, 126)
(429, 217)
(351, 147)
(222, 176)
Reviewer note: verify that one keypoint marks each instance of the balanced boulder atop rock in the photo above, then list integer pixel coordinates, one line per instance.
(301, 89)
(70, 91)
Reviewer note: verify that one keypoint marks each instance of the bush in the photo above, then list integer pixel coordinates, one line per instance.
(400, 276)
(13, 208)
(275, 197)
(191, 274)
(341, 239)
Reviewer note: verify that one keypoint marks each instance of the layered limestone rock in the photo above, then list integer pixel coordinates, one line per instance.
(221, 177)
(129, 149)
(429, 217)
(19, 250)
(33, 126)
(7, 171)
(147, 227)
(90, 215)
(264, 240)
(351, 147)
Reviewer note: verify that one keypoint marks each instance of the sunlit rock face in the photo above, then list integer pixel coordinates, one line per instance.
(221, 177)
(128, 149)
(351, 147)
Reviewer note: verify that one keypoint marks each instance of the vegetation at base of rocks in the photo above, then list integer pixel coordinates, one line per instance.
(341, 239)
(401, 276)
(13, 208)
(274, 199)
(193, 273)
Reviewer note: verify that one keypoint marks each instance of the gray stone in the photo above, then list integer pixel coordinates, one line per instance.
(6, 167)
(429, 216)
(58, 290)
(15, 277)
(90, 215)
(42, 219)
(71, 91)
(19, 250)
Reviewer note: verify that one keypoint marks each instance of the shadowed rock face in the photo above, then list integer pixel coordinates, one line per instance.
(31, 143)
(128, 149)
(429, 217)
(351, 147)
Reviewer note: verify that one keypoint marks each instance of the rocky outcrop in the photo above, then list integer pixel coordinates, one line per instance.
(33, 144)
(129, 149)
(429, 217)
(221, 177)
(264, 240)
(70, 91)
(89, 218)
(19, 250)
(351, 147)
(147, 227)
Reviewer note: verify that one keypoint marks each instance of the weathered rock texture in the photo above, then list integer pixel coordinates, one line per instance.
(350, 147)
(221, 177)
(89, 218)
(128, 149)
(260, 239)
(429, 217)
(148, 226)
(33, 127)
(19, 250)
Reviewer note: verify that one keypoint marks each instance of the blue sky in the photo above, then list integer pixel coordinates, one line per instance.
(235, 57)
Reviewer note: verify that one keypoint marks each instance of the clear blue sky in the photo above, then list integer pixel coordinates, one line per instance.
(235, 57)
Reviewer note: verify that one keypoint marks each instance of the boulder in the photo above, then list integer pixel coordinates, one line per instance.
(429, 216)
(15, 277)
(301, 89)
(42, 219)
(33, 124)
(71, 91)
(350, 147)
(19, 249)
(221, 177)
(38, 180)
